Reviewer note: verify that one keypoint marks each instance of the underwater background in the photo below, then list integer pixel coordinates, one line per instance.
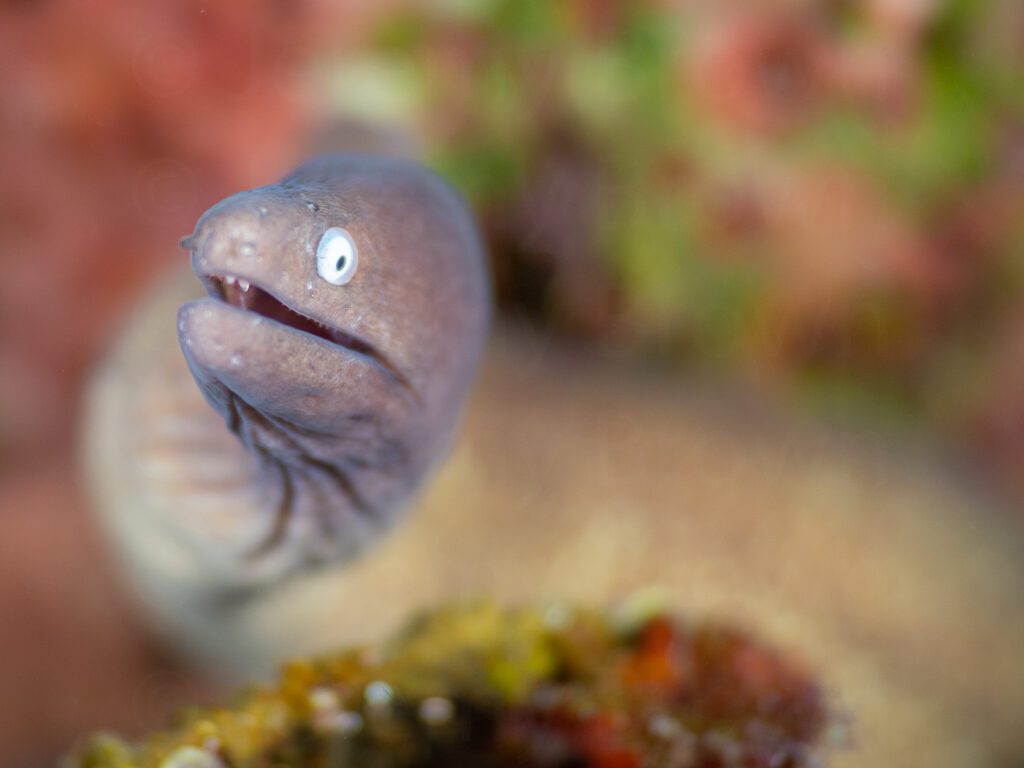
(817, 202)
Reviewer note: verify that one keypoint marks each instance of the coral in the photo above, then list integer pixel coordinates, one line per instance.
(481, 685)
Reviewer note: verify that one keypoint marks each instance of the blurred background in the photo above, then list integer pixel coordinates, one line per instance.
(822, 200)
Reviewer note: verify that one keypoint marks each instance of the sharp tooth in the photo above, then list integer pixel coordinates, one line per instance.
(244, 285)
(229, 280)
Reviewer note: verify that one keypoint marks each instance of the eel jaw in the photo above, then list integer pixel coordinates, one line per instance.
(243, 294)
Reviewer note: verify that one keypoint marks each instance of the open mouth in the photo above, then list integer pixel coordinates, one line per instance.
(242, 294)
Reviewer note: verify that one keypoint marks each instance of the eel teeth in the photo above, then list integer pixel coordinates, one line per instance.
(244, 285)
(229, 280)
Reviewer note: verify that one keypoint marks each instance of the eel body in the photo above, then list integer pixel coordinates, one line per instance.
(573, 478)
(345, 314)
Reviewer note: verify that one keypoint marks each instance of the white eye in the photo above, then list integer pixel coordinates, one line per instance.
(336, 257)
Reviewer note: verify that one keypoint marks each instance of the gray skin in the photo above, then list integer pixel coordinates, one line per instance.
(341, 404)
(344, 428)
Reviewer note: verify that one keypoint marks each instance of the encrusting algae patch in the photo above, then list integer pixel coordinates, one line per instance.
(478, 685)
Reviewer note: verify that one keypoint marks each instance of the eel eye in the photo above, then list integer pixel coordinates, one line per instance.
(336, 257)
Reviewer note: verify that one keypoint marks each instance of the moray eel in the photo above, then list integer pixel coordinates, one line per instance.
(347, 307)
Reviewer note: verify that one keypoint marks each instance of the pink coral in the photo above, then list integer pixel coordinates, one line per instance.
(759, 72)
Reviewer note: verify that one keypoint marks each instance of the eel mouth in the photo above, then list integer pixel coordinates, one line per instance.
(244, 295)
